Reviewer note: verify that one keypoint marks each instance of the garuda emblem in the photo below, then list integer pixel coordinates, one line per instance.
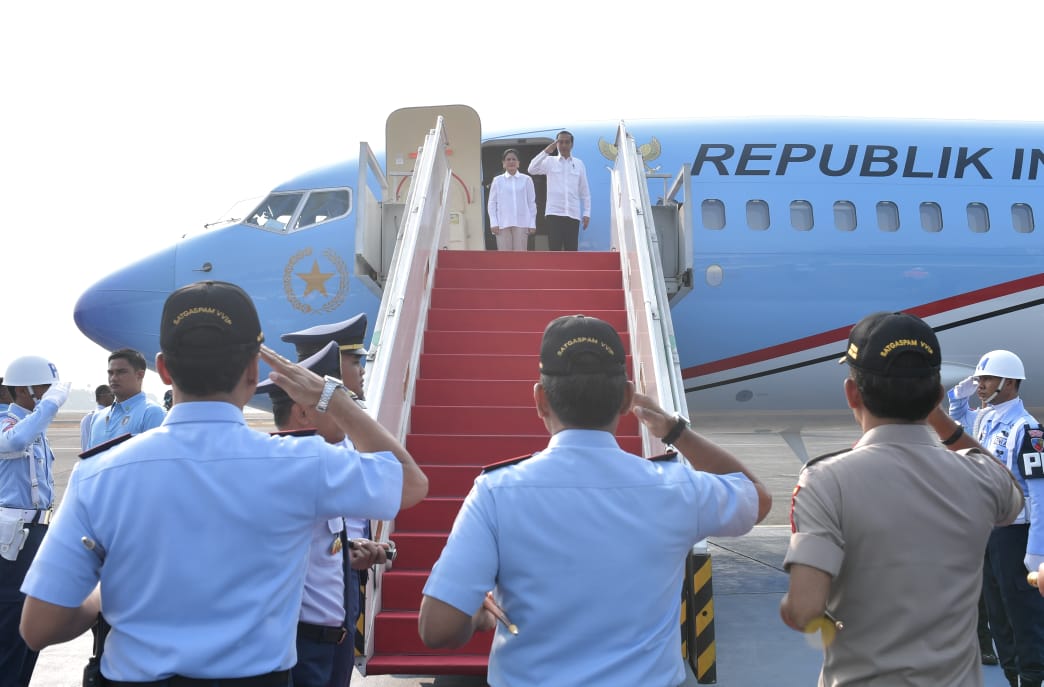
(649, 152)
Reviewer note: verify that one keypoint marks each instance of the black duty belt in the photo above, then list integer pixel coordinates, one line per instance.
(322, 633)
(280, 678)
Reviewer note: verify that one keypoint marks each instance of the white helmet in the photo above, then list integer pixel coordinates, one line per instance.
(1003, 364)
(30, 370)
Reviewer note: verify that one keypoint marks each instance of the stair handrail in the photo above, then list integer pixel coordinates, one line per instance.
(368, 262)
(395, 347)
(654, 351)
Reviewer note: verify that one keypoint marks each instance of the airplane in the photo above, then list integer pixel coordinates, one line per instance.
(773, 236)
(797, 227)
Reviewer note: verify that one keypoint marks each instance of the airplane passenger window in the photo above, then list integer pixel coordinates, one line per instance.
(715, 275)
(757, 215)
(931, 217)
(801, 215)
(1022, 218)
(887, 216)
(324, 205)
(713, 211)
(978, 218)
(845, 215)
(275, 211)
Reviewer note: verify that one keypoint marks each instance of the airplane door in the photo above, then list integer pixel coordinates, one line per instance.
(404, 133)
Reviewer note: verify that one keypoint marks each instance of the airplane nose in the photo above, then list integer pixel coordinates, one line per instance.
(123, 309)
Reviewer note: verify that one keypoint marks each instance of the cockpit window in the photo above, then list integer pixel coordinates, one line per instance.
(275, 212)
(288, 212)
(324, 205)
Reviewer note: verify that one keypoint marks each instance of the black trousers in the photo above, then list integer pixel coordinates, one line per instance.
(563, 233)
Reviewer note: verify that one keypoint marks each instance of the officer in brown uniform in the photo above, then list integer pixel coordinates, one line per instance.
(874, 527)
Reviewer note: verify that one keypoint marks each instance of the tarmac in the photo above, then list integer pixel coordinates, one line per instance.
(753, 647)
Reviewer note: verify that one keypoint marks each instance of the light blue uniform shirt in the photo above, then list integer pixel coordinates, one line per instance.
(85, 428)
(586, 546)
(133, 416)
(21, 434)
(323, 600)
(203, 525)
(992, 426)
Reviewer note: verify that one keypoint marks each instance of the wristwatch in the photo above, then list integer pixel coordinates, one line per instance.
(330, 385)
(680, 424)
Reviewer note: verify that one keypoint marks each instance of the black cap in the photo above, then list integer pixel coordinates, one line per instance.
(576, 344)
(209, 317)
(878, 339)
(325, 361)
(348, 334)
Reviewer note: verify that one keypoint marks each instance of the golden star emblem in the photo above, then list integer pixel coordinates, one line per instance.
(315, 280)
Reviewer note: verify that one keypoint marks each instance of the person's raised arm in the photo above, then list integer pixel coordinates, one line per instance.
(537, 164)
(15, 435)
(702, 454)
(305, 387)
(950, 432)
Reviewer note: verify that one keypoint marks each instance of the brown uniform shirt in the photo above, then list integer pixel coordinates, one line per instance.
(901, 524)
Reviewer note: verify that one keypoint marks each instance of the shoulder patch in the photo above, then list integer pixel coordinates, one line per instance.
(669, 456)
(506, 463)
(826, 455)
(1031, 454)
(311, 431)
(105, 446)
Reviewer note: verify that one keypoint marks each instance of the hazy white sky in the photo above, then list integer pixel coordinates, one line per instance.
(127, 124)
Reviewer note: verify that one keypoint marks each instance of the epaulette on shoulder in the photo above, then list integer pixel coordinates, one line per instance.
(311, 431)
(505, 463)
(826, 455)
(105, 446)
(669, 456)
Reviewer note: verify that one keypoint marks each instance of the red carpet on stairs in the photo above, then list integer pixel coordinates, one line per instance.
(473, 407)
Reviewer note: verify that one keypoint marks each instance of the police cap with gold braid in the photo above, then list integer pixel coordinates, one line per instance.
(348, 334)
(326, 361)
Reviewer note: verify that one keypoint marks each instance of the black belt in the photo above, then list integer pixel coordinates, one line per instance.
(280, 678)
(322, 633)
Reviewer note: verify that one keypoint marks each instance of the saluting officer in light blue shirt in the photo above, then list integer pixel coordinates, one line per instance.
(26, 492)
(132, 412)
(218, 515)
(564, 535)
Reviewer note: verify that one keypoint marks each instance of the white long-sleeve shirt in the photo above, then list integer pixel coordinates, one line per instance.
(512, 201)
(567, 190)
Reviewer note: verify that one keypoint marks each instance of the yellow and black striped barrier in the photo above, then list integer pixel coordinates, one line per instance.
(697, 618)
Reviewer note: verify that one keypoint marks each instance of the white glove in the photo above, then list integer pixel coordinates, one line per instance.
(966, 387)
(59, 393)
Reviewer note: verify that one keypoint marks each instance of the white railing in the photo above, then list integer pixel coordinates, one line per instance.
(654, 351)
(396, 344)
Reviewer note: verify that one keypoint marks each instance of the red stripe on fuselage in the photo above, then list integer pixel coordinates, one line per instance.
(841, 333)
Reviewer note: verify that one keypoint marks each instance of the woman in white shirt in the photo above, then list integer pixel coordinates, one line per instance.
(512, 205)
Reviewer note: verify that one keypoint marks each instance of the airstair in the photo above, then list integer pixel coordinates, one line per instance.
(453, 362)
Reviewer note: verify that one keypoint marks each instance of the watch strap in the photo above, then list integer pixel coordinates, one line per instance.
(330, 386)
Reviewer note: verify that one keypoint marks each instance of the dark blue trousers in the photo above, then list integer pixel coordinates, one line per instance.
(16, 660)
(1016, 609)
(314, 663)
(344, 654)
